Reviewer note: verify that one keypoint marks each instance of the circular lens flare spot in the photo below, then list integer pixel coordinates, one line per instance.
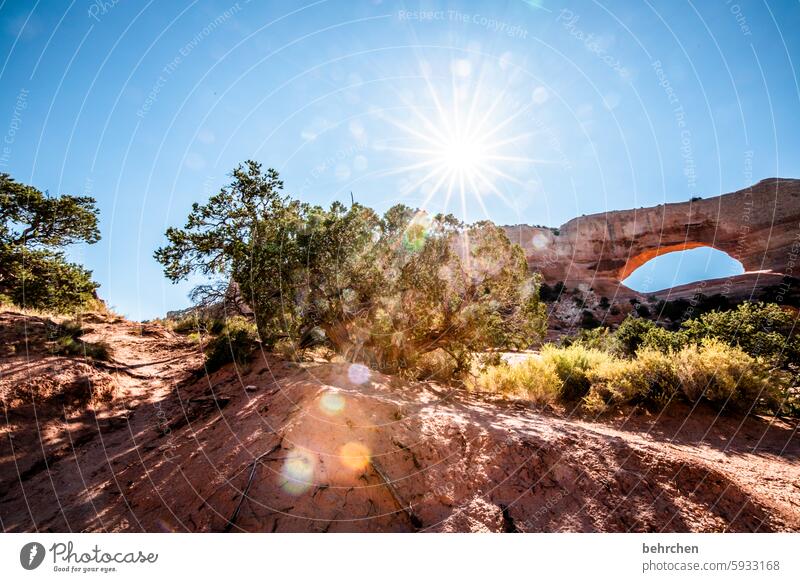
(416, 232)
(539, 241)
(354, 456)
(331, 403)
(358, 373)
(298, 471)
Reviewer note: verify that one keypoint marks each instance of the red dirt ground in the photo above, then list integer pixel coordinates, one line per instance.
(330, 447)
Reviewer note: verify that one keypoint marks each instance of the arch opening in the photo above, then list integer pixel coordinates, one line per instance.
(682, 267)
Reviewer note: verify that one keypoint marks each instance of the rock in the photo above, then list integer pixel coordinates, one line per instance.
(757, 226)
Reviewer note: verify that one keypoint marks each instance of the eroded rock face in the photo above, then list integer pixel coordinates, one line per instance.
(758, 226)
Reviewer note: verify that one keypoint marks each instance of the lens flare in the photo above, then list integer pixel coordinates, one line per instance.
(354, 456)
(416, 232)
(332, 403)
(358, 373)
(298, 471)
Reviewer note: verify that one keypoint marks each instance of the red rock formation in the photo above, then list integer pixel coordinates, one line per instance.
(758, 226)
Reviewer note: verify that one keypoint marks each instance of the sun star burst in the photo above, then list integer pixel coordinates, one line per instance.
(462, 147)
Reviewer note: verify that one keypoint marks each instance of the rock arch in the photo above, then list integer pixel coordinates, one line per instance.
(759, 226)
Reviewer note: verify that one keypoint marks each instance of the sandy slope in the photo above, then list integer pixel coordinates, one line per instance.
(334, 447)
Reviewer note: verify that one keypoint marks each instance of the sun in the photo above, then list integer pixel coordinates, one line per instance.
(463, 142)
(463, 155)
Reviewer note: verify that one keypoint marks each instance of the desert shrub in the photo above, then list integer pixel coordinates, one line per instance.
(630, 335)
(572, 365)
(551, 293)
(194, 324)
(69, 346)
(236, 343)
(728, 377)
(760, 329)
(599, 338)
(656, 370)
(287, 349)
(611, 382)
(723, 375)
(588, 320)
(649, 377)
(534, 379)
(66, 342)
(436, 365)
(185, 325)
(662, 339)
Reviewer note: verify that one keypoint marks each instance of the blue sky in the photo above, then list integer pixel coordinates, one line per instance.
(596, 106)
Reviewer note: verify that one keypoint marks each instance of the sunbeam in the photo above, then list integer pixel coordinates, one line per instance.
(460, 144)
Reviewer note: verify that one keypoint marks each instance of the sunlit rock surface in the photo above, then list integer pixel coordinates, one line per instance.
(758, 226)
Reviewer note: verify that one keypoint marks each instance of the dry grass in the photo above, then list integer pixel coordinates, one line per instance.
(711, 371)
(532, 379)
(727, 376)
(650, 377)
(572, 366)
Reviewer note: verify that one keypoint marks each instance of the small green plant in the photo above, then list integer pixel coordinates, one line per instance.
(67, 342)
(571, 365)
(236, 343)
(532, 379)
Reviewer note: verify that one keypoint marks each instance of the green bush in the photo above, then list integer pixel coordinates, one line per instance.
(66, 342)
(728, 377)
(194, 324)
(630, 335)
(760, 329)
(236, 343)
(571, 365)
(650, 377)
(714, 372)
(533, 379)
(662, 339)
(67, 345)
(599, 338)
